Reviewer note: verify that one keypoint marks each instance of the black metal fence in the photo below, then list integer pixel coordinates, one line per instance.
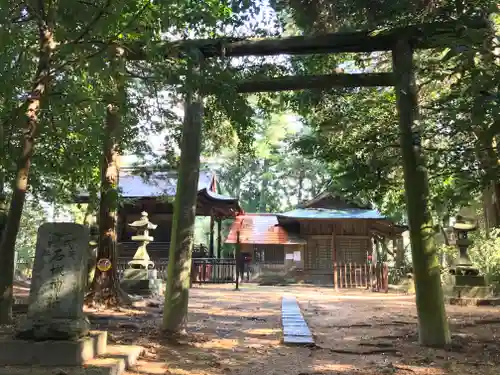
(213, 271)
(203, 270)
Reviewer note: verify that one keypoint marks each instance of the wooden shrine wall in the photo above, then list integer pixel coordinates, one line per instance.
(335, 241)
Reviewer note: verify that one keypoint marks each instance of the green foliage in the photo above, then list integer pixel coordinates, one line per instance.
(485, 254)
(33, 216)
(69, 146)
(355, 132)
(273, 177)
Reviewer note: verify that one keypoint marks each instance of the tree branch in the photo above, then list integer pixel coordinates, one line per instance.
(93, 22)
(105, 44)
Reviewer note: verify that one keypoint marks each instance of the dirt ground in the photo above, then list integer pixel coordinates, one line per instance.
(356, 332)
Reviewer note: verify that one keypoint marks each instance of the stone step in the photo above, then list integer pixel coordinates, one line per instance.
(102, 366)
(129, 353)
(116, 360)
(16, 352)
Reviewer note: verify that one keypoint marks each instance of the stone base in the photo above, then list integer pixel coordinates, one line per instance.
(146, 288)
(135, 274)
(472, 292)
(17, 352)
(466, 301)
(469, 280)
(50, 328)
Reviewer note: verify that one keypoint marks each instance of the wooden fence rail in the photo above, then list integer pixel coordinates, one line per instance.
(373, 277)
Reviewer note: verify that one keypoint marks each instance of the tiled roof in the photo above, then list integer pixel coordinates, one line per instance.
(322, 213)
(157, 184)
(210, 203)
(261, 229)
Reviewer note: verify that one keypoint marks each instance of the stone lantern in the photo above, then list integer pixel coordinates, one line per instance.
(463, 266)
(141, 278)
(468, 287)
(141, 258)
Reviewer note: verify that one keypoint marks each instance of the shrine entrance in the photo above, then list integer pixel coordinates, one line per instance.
(401, 42)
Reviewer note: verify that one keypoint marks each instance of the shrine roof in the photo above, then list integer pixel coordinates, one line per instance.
(261, 229)
(328, 214)
(157, 184)
(331, 200)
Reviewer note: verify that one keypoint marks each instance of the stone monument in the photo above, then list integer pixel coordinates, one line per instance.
(468, 286)
(58, 284)
(55, 330)
(140, 277)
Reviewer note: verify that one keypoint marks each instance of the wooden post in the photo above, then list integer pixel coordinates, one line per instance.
(184, 216)
(350, 274)
(203, 271)
(370, 276)
(211, 245)
(219, 238)
(385, 273)
(335, 276)
(433, 323)
(334, 257)
(345, 275)
(355, 275)
(366, 276)
(237, 255)
(341, 276)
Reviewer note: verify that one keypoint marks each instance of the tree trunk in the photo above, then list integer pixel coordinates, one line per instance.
(264, 186)
(490, 207)
(3, 203)
(432, 321)
(300, 185)
(105, 288)
(41, 82)
(211, 245)
(487, 148)
(399, 252)
(179, 265)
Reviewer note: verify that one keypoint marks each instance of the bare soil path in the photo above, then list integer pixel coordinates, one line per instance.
(356, 332)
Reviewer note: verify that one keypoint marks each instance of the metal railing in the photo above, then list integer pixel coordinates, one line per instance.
(203, 270)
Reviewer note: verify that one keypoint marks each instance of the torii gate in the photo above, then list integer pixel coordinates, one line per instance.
(402, 42)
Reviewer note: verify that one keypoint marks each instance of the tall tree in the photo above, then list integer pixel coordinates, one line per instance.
(45, 15)
(105, 287)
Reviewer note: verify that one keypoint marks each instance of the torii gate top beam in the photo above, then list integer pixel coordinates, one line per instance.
(421, 36)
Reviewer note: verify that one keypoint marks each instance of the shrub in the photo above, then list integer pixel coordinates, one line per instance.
(485, 254)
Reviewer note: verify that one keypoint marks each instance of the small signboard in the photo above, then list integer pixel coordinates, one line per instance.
(104, 264)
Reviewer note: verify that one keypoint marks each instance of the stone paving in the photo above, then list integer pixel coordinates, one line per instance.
(295, 329)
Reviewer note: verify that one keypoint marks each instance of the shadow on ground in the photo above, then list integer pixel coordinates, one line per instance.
(239, 332)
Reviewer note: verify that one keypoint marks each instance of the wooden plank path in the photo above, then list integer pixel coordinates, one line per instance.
(295, 329)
